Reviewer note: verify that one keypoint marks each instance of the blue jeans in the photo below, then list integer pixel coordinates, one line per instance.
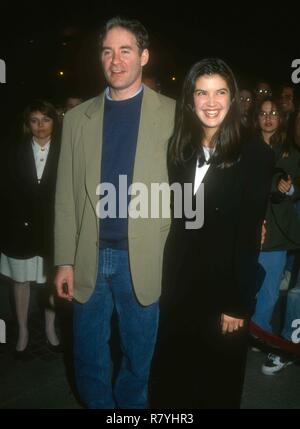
(273, 264)
(292, 263)
(137, 327)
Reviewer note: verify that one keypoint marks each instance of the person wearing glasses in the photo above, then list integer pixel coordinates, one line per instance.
(246, 104)
(262, 90)
(209, 272)
(283, 227)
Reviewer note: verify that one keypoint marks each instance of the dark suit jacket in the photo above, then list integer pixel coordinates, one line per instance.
(212, 270)
(28, 206)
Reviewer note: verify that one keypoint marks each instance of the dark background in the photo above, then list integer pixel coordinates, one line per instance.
(39, 39)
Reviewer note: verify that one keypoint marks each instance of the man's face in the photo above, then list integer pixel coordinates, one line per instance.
(72, 102)
(122, 61)
(287, 99)
(263, 90)
(245, 101)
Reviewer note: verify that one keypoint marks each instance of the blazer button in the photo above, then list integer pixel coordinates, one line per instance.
(26, 223)
(217, 209)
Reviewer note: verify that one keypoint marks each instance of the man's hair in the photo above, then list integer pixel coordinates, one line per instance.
(131, 25)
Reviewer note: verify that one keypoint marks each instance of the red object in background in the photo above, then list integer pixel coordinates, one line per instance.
(274, 340)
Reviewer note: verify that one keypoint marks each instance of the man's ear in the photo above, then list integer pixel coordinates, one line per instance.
(144, 57)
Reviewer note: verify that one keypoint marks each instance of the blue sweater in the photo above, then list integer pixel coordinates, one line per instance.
(120, 132)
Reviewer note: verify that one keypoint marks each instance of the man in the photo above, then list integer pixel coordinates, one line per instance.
(72, 101)
(246, 105)
(112, 264)
(262, 90)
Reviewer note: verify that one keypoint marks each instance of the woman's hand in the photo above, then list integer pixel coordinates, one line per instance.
(285, 185)
(263, 233)
(230, 324)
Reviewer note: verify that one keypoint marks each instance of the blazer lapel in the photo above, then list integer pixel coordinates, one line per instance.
(27, 164)
(146, 136)
(92, 144)
(210, 179)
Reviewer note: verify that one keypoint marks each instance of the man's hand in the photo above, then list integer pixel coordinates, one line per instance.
(285, 185)
(230, 324)
(64, 283)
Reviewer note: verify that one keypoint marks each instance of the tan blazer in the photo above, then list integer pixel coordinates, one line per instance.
(76, 222)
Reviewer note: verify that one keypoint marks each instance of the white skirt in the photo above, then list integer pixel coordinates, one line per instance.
(23, 270)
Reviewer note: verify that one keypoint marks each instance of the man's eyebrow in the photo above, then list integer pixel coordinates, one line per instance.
(121, 47)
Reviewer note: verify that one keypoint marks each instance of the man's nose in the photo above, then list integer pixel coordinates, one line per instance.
(116, 57)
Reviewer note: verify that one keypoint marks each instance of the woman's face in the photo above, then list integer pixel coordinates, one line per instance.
(41, 126)
(268, 118)
(211, 100)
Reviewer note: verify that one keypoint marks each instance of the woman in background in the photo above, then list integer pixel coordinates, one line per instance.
(283, 226)
(28, 190)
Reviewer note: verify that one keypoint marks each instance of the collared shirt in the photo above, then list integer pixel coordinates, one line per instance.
(40, 154)
(201, 171)
(106, 92)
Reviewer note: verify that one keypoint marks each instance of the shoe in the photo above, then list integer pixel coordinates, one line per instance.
(55, 349)
(23, 355)
(257, 344)
(274, 364)
(255, 349)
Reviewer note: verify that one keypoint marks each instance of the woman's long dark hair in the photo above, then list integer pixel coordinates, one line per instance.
(188, 131)
(278, 141)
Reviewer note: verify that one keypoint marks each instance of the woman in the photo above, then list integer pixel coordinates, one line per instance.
(28, 215)
(283, 226)
(209, 273)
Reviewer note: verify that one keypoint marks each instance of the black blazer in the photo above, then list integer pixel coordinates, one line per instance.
(28, 206)
(212, 269)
